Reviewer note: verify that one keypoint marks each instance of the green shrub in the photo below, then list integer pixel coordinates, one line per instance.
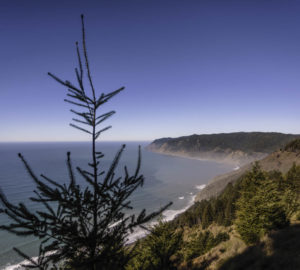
(260, 208)
(157, 250)
(292, 191)
(202, 243)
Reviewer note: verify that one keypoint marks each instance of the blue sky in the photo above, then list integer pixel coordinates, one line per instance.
(188, 66)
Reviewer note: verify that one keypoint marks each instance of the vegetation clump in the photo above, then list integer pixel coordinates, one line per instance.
(219, 210)
(260, 208)
(167, 247)
(159, 250)
(202, 243)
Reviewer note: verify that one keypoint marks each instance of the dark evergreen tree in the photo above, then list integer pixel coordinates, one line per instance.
(201, 243)
(81, 227)
(292, 191)
(260, 208)
(158, 249)
(207, 216)
(219, 214)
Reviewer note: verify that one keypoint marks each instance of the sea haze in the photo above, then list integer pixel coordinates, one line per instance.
(167, 178)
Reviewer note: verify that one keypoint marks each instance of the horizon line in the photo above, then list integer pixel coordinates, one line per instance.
(74, 141)
(143, 140)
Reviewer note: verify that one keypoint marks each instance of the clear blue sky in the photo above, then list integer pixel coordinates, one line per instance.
(188, 66)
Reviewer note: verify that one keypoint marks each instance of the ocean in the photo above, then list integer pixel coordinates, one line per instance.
(167, 178)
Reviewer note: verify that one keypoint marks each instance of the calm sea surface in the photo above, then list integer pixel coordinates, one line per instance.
(167, 178)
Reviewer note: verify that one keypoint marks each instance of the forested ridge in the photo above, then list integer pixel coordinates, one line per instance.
(247, 142)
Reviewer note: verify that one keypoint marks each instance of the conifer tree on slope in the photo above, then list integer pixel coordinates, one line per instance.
(260, 208)
(82, 227)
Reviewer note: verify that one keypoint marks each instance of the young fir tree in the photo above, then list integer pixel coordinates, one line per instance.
(159, 250)
(207, 216)
(202, 242)
(259, 208)
(291, 196)
(85, 228)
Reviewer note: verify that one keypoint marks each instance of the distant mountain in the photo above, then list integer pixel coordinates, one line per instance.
(238, 148)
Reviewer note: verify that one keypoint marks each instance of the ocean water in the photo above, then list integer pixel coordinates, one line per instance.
(167, 178)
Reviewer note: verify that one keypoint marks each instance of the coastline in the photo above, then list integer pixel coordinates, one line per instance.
(237, 159)
(168, 215)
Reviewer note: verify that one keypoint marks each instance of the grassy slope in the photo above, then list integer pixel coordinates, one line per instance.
(279, 250)
(217, 255)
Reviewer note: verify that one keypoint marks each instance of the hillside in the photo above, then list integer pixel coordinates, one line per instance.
(239, 148)
(247, 203)
(279, 160)
(280, 250)
(253, 223)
